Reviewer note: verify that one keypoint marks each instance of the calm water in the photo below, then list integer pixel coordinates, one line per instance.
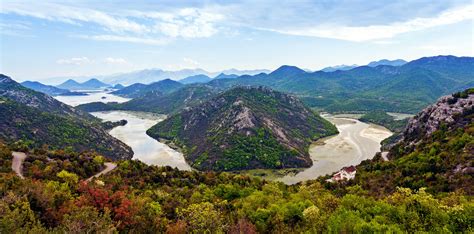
(91, 97)
(145, 148)
(356, 141)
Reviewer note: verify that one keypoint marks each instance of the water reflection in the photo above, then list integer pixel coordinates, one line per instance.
(145, 148)
(356, 141)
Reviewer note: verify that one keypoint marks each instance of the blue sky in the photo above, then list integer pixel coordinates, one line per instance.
(41, 39)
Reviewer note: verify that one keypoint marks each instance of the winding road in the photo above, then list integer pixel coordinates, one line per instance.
(19, 158)
(108, 167)
(17, 163)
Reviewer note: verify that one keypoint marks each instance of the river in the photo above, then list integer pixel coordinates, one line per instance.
(145, 148)
(356, 141)
(93, 96)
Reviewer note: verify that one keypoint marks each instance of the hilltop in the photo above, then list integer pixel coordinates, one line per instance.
(158, 102)
(245, 128)
(138, 89)
(87, 85)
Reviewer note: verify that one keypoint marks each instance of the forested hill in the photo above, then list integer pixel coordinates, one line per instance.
(157, 102)
(30, 119)
(407, 88)
(436, 151)
(245, 128)
(18, 93)
(160, 87)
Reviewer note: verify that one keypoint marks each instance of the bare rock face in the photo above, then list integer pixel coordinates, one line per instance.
(447, 111)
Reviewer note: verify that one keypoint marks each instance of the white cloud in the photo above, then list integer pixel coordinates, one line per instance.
(131, 39)
(375, 32)
(110, 60)
(73, 15)
(18, 29)
(74, 61)
(186, 23)
(190, 63)
(126, 26)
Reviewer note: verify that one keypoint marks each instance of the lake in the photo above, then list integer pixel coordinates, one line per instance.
(356, 141)
(145, 148)
(97, 96)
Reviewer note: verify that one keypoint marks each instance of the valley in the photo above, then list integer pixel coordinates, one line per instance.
(145, 148)
(355, 142)
(236, 117)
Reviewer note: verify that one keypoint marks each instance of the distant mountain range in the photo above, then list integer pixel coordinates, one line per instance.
(152, 75)
(88, 85)
(47, 89)
(138, 89)
(395, 63)
(195, 79)
(406, 88)
(339, 68)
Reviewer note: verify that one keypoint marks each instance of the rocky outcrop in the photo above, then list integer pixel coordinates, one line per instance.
(447, 112)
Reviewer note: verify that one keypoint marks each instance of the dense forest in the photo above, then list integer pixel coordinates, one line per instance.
(425, 187)
(149, 199)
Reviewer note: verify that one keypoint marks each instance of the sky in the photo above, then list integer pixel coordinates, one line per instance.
(43, 39)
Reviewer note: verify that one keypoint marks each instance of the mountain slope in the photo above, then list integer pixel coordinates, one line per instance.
(436, 151)
(47, 89)
(170, 103)
(94, 84)
(339, 68)
(87, 85)
(407, 88)
(160, 87)
(226, 76)
(395, 63)
(195, 79)
(16, 92)
(37, 119)
(69, 84)
(245, 128)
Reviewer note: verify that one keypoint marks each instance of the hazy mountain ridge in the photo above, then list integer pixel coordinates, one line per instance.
(153, 75)
(47, 89)
(87, 85)
(137, 90)
(195, 79)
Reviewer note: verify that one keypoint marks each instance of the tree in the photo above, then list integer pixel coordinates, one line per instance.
(68, 177)
(202, 217)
